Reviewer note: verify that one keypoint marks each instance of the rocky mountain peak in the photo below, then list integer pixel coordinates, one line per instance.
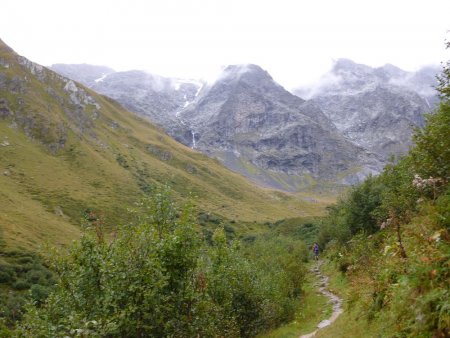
(256, 127)
(353, 76)
(349, 66)
(249, 76)
(391, 71)
(374, 107)
(245, 71)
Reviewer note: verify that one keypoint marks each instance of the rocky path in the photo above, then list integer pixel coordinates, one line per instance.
(322, 284)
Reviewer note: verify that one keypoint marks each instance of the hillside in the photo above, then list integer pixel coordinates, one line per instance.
(65, 150)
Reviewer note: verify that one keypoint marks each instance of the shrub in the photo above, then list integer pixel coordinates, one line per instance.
(21, 285)
(158, 278)
(39, 293)
(24, 260)
(36, 277)
(5, 277)
(6, 273)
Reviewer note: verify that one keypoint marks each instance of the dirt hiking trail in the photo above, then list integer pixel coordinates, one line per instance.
(322, 284)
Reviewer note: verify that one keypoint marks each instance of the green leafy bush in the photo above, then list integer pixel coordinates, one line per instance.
(39, 293)
(159, 278)
(23, 276)
(21, 285)
(6, 274)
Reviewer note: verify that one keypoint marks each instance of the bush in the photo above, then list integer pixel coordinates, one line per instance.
(158, 278)
(23, 271)
(39, 293)
(5, 277)
(442, 210)
(24, 260)
(11, 307)
(21, 285)
(36, 277)
(6, 274)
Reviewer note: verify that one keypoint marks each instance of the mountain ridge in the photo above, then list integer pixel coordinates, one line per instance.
(371, 111)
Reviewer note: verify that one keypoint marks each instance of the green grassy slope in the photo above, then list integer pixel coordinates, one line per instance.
(64, 149)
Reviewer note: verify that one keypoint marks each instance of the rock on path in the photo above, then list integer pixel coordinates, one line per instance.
(335, 300)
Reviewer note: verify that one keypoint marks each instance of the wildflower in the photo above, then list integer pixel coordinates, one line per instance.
(421, 183)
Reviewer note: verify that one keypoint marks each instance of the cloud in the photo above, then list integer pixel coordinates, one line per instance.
(325, 82)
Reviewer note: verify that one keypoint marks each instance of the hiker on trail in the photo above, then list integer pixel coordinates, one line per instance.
(316, 251)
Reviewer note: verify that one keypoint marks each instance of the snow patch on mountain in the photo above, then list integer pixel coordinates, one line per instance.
(102, 78)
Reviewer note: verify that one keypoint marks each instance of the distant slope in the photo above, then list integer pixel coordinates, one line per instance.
(377, 108)
(65, 149)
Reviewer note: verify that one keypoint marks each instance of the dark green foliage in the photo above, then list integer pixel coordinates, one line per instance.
(6, 274)
(122, 160)
(39, 293)
(21, 273)
(4, 331)
(362, 202)
(431, 154)
(12, 304)
(444, 80)
(353, 214)
(442, 210)
(158, 278)
(21, 285)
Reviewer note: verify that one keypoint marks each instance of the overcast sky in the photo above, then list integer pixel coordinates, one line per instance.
(295, 40)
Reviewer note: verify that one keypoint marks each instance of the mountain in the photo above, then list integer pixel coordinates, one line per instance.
(152, 96)
(249, 122)
(377, 108)
(256, 127)
(65, 150)
(86, 74)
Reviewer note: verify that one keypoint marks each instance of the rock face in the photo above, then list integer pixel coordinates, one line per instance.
(256, 127)
(154, 97)
(377, 108)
